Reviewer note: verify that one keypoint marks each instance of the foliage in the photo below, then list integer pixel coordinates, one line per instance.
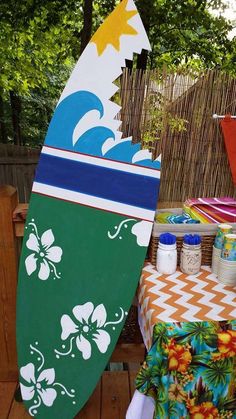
(184, 31)
(40, 42)
(159, 118)
(218, 371)
(34, 44)
(188, 377)
(101, 9)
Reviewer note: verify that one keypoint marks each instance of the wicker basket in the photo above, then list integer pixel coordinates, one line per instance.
(206, 231)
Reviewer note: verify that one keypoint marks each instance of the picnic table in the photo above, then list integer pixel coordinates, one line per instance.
(188, 323)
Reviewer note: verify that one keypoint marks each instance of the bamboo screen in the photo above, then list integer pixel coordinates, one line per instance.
(194, 160)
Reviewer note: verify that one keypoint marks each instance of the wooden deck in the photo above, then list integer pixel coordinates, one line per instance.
(109, 400)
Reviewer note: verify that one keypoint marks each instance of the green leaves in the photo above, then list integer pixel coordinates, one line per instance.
(226, 404)
(32, 44)
(183, 31)
(150, 376)
(40, 42)
(159, 120)
(217, 372)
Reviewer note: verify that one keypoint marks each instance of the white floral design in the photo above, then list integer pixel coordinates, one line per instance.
(89, 326)
(142, 230)
(40, 384)
(45, 255)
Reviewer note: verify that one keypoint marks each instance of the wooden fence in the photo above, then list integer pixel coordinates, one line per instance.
(17, 168)
(175, 108)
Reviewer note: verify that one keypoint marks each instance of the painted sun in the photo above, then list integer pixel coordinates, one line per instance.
(113, 27)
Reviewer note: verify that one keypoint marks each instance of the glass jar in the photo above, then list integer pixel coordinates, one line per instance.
(167, 254)
(191, 254)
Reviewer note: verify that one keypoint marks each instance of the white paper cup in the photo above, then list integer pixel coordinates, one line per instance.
(215, 260)
(227, 272)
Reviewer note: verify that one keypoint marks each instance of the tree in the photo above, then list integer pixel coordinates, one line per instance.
(146, 10)
(38, 41)
(41, 40)
(185, 31)
(87, 25)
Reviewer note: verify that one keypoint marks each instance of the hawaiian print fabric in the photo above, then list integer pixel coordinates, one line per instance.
(190, 370)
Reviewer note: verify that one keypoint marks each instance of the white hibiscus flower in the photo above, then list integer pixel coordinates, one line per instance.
(45, 255)
(89, 327)
(142, 230)
(38, 386)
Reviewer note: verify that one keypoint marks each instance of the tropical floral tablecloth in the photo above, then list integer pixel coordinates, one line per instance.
(190, 369)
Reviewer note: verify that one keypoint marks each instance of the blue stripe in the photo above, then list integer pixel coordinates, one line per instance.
(115, 185)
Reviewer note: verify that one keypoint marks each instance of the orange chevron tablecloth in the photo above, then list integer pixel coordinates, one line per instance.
(180, 298)
(188, 324)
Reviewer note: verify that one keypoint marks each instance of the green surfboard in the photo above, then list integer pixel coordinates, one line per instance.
(89, 223)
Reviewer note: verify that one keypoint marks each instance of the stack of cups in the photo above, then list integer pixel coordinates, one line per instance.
(227, 261)
(223, 229)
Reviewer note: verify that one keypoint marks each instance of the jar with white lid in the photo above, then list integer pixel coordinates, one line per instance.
(167, 254)
(191, 254)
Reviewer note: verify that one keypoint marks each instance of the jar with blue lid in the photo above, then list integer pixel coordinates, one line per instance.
(167, 254)
(191, 254)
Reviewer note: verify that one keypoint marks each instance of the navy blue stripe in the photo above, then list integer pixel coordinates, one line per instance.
(115, 185)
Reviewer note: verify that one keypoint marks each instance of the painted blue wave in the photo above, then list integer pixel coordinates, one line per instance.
(123, 151)
(68, 114)
(155, 164)
(91, 141)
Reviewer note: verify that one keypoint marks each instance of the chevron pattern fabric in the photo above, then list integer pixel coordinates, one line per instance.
(180, 297)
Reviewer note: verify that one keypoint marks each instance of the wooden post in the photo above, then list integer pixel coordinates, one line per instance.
(8, 284)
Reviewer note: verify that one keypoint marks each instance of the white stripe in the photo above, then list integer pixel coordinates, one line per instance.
(96, 161)
(205, 214)
(219, 209)
(93, 201)
(231, 202)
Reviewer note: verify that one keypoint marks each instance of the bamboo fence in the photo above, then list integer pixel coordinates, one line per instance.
(194, 160)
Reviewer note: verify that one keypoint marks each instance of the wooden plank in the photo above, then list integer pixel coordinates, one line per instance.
(19, 217)
(20, 213)
(19, 161)
(8, 283)
(92, 409)
(132, 378)
(128, 352)
(18, 411)
(7, 390)
(115, 395)
(17, 167)
(19, 229)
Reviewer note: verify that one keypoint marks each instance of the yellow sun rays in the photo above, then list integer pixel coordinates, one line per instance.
(114, 26)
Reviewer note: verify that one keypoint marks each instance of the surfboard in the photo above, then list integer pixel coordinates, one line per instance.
(89, 223)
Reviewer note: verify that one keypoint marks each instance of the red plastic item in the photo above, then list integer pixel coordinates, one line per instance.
(228, 126)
